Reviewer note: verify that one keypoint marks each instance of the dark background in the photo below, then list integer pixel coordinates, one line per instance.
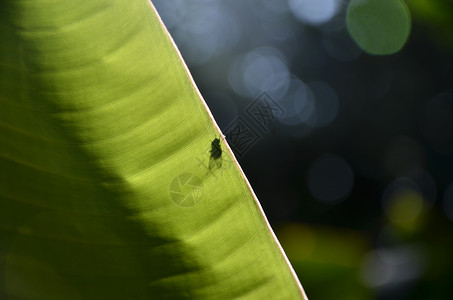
(354, 167)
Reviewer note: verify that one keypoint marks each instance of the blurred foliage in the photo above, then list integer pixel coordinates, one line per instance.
(435, 16)
(326, 257)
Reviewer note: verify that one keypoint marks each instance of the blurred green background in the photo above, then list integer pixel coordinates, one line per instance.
(354, 163)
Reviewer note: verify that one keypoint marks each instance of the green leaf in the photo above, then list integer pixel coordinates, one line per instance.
(105, 186)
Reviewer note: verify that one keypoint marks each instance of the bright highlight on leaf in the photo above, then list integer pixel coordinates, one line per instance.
(379, 27)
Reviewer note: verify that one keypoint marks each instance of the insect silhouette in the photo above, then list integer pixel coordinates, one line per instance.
(216, 154)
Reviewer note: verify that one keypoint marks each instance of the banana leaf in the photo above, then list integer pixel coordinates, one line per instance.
(110, 184)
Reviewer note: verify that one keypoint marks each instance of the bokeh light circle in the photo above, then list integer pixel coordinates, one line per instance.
(330, 179)
(390, 266)
(379, 27)
(314, 12)
(298, 103)
(402, 201)
(261, 70)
